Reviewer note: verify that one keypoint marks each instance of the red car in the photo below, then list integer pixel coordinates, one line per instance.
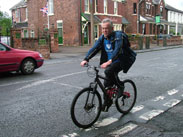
(15, 59)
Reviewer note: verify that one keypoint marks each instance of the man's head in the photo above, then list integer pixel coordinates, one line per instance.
(107, 27)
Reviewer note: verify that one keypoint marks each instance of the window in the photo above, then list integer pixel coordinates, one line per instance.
(117, 27)
(134, 8)
(86, 5)
(115, 7)
(148, 8)
(105, 6)
(50, 7)
(96, 6)
(32, 34)
(161, 11)
(17, 13)
(2, 48)
(96, 31)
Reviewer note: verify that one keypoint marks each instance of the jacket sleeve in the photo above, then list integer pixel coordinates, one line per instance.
(117, 47)
(95, 49)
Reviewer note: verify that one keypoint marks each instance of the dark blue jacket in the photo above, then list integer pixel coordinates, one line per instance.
(119, 46)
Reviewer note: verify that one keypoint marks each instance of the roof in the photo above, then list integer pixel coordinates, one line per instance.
(156, 2)
(21, 25)
(125, 21)
(22, 3)
(87, 18)
(168, 7)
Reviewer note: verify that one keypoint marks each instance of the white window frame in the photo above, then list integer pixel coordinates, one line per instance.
(50, 7)
(27, 33)
(115, 7)
(105, 6)
(60, 22)
(96, 6)
(86, 6)
(32, 34)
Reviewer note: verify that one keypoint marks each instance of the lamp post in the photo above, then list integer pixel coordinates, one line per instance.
(92, 22)
(138, 15)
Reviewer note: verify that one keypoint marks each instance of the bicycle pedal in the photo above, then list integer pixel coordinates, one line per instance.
(127, 94)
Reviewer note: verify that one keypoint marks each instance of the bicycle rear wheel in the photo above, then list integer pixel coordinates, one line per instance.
(126, 102)
(86, 108)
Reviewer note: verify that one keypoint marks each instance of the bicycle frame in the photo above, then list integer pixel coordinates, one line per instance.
(98, 82)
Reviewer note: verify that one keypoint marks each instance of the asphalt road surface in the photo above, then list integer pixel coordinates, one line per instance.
(38, 105)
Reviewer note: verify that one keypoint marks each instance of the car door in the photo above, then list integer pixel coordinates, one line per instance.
(8, 60)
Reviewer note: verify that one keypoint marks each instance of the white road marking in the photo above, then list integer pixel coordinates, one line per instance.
(159, 98)
(14, 83)
(37, 83)
(71, 135)
(172, 92)
(172, 103)
(124, 130)
(34, 84)
(106, 122)
(137, 108)
(68, 85)
(149, 115)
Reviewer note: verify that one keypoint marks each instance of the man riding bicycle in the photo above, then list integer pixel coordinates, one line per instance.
(112, 59)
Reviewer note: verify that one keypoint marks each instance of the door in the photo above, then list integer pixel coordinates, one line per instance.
(8, 60)
(86, 35)
(60, 31)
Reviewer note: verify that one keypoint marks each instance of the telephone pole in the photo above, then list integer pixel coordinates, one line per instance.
(92, 22)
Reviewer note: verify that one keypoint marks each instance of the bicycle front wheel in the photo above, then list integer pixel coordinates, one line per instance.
(86, 108)
(126, 102)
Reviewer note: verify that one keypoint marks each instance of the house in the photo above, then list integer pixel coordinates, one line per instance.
(72, 18)
(147, 17)
(175, 19)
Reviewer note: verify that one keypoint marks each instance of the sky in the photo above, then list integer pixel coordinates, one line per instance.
(5, 5)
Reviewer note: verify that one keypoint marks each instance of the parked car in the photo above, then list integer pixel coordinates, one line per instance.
(15, 59)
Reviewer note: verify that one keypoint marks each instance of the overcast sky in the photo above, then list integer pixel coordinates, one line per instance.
(5, 5)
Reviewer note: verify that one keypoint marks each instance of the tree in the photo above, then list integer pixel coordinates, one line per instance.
(5, 23)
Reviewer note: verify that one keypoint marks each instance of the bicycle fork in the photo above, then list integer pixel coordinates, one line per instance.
(89, 104)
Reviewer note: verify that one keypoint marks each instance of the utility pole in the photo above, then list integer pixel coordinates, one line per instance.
(92, 22)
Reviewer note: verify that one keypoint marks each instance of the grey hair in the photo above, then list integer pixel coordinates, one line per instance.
(107, 20)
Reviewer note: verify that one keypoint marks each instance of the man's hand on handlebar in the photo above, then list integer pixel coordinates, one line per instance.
(84, 63)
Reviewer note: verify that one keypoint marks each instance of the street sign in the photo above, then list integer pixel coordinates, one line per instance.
(157, 19)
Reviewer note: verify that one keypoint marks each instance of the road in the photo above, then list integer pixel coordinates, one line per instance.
(38, 105)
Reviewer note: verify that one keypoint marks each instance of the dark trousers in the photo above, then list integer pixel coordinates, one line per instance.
(111, 73)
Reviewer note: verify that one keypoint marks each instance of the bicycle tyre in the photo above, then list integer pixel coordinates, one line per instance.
(129, 94)
(78, 120)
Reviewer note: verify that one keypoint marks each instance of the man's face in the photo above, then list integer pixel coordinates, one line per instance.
(106, 29)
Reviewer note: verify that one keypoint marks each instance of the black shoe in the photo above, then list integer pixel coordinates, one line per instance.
(120, 91)
(106, 105)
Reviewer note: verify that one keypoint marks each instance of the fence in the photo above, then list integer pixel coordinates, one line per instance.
(44, 45)
(146, 42)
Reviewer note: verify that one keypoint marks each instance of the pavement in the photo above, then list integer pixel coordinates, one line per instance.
(82, 50)
(166, 124)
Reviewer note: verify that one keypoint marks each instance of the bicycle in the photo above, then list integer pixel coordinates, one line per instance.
(88, 101)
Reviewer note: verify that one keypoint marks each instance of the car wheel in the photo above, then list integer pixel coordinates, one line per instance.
(28, 66)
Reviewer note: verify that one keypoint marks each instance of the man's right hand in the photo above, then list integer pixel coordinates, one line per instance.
(84, 62)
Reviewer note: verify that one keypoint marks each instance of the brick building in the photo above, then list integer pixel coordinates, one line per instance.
(71, 18)
(142, 16)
